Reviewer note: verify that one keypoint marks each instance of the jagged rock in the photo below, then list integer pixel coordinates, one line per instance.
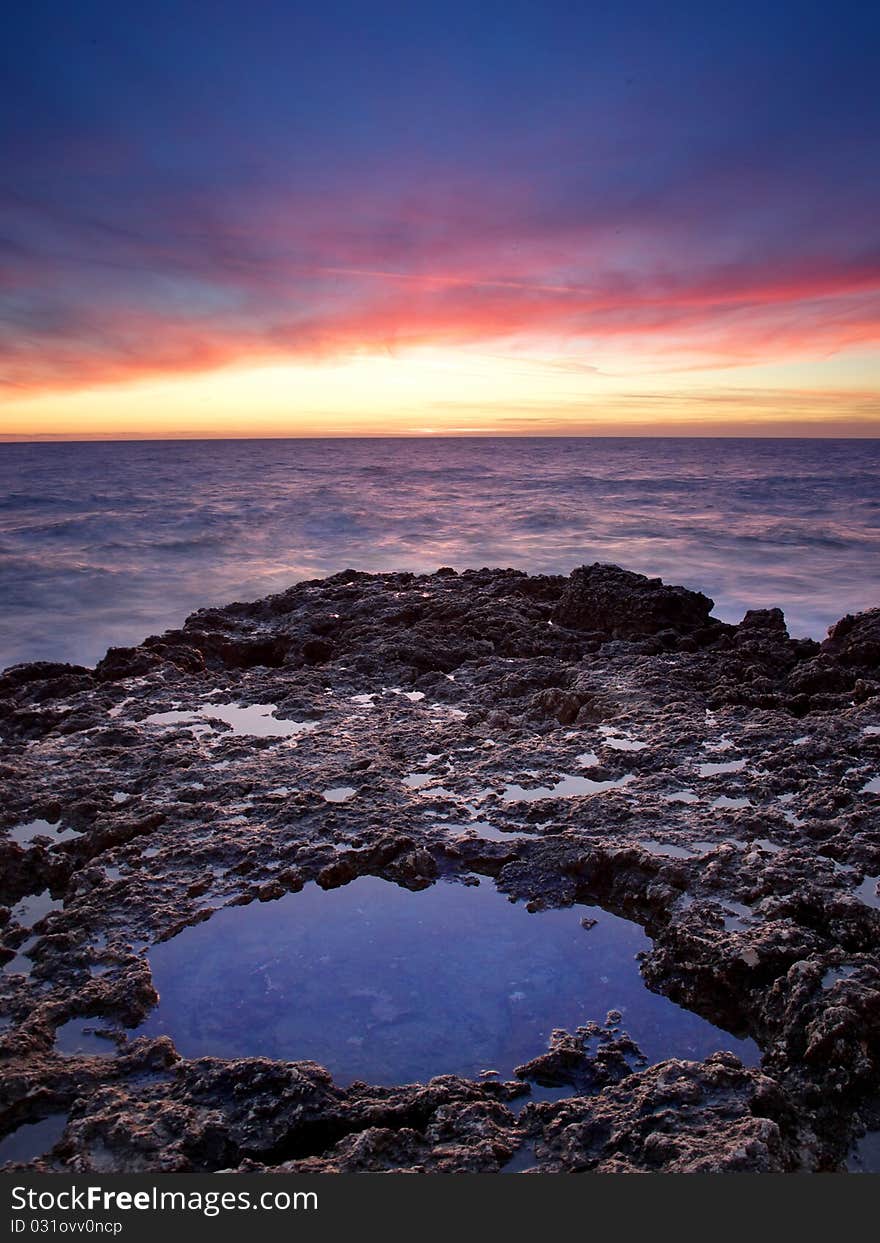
(596, 739)
(854, 641)
(625, 605)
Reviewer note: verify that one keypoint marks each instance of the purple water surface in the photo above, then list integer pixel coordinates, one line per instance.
(104, 543)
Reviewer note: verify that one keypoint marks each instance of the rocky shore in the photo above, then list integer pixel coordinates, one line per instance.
(717, 784)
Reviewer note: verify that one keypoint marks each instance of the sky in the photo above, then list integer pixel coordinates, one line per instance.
(380, 218)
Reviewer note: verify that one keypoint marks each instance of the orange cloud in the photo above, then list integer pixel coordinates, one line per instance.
(711, 323)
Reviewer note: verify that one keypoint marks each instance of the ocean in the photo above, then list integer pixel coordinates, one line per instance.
(105, 543)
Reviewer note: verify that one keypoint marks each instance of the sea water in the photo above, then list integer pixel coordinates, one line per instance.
(104, 543)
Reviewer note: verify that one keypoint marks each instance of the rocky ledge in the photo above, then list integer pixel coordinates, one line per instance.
(731, 810)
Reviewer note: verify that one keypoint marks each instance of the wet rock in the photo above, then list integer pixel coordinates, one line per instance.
(626, 605)
(570, 1061)
(677, 1118)
(596, 739)
(770, 621)
(317, 651)
(854, 641)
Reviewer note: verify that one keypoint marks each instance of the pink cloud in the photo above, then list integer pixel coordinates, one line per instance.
(190, 286)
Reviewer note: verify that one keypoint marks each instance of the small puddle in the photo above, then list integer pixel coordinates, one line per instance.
(78, 1036)
(619, 742)
(788, 815)
(665, 850)
(477, 829)
(865, 1156)
(381, 984)
(444, 710)
(253, 721)
(729, 766)
(417, 781)
(30, 910)
(766, 843)
(872, 786)
(693, 850)
(833, 974)
(32, 1139)
(24, 834)
(681, 796)
(867, 892)
(737, 916)
(722, 744)
(21, 964)
(726, 803)
(339, 794)
(542, 1092)
(568, 786)
(525, 1158)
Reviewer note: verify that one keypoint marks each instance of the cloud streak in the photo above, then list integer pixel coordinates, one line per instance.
(648, 193)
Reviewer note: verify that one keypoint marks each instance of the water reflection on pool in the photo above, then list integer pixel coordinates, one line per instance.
(389, 986)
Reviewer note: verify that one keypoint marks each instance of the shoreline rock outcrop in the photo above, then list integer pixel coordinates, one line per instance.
(596, 739)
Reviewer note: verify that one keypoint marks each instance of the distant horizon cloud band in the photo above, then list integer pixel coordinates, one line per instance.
(422, 220)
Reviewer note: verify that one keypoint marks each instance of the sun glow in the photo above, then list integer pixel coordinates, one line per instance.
(446, 391)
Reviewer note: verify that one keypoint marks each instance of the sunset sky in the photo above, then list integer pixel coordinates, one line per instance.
(230, 219)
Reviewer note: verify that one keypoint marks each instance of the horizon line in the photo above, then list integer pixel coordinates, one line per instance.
(200, 437)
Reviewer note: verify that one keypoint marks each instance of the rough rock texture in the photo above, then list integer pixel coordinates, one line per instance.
(625, 605)
(733, 813)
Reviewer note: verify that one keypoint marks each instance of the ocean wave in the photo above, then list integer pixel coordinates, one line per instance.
(123, 539)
